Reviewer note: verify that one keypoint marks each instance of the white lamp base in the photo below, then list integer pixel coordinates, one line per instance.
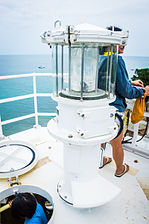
(88, 194)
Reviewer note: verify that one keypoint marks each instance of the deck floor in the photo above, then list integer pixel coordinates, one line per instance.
(130, 207)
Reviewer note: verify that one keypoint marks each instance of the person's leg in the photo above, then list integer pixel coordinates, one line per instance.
(106, 160)
(118, 154)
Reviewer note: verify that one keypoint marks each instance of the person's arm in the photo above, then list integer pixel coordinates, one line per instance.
(147, 90)
(123, 84)
(137, 83)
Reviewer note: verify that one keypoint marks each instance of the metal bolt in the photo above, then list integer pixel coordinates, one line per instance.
(111, 115)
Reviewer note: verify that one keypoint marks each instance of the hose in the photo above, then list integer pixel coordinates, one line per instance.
(5, 207)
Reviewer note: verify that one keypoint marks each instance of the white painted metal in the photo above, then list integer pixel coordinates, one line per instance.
(1, 131)
(82, 126)
(35, 100)
(15, 76)
(81, 33)
(16, 158)
(83, 123)
(25, 75)
(85, 119)
(82, 186)
(135, 134)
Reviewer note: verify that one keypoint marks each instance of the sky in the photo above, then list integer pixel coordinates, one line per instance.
(22, 22)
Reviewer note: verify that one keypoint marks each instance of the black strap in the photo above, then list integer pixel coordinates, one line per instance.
(121, 124)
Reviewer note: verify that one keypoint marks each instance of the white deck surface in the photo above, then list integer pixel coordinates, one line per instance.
(130, 207)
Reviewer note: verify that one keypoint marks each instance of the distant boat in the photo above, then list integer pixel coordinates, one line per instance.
(41, 67)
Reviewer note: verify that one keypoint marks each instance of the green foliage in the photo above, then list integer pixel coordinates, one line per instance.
(142, 74)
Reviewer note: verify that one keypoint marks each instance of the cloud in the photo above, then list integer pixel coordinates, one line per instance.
(26, 19)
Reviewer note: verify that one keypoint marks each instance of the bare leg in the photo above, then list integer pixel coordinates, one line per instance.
(103, 145)
(106, 160)
(118, 156)
(118, 153)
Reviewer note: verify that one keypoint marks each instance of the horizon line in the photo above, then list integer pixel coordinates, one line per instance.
(49, 54)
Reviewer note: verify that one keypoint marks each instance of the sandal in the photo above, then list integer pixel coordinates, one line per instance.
(126, 169)
(108, 160)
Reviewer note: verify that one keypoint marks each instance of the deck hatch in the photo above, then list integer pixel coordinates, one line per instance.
(16, 158)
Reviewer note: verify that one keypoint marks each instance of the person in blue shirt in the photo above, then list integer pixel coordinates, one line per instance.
(124, 88)
(25, 207)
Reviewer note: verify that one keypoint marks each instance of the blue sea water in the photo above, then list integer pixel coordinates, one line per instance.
(22, 64)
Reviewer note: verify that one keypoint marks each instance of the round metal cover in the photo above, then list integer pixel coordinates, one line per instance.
(16, 158)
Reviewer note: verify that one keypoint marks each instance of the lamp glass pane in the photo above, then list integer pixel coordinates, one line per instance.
(89, 68)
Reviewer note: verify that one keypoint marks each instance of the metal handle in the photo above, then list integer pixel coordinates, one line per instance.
(57, 22)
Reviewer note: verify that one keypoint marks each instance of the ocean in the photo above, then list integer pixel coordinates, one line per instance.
(22, 64)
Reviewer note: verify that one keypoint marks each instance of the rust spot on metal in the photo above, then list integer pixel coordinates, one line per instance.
(135, 161)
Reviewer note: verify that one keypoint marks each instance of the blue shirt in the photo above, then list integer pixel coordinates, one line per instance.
(39, 216)
(123, 88)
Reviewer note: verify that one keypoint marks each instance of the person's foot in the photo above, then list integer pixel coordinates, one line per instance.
(103, 145)
(106, 160)
(124, 170)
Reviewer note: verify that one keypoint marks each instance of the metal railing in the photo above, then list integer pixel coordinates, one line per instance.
(34, 95)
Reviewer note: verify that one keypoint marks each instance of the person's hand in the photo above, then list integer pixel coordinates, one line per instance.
(147, 90)
(137, 83)
(10, 203)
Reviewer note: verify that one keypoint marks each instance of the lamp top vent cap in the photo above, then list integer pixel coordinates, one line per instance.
(81, 33)
(85, 27)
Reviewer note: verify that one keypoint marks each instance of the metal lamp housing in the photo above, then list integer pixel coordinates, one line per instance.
(84, 118)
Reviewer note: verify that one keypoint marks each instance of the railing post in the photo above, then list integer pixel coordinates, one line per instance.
(1, 130)
(135, 134)
(35, 100)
